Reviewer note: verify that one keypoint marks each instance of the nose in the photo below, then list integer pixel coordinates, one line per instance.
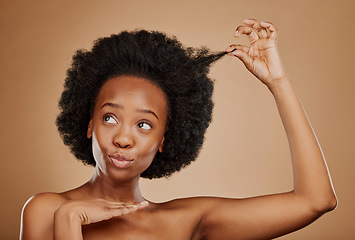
(123, 138)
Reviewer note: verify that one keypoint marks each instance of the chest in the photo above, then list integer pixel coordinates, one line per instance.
(168, 225)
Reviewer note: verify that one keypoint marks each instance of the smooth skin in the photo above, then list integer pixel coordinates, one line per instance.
(110, 205)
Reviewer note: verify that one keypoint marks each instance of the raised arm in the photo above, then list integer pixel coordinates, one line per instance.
(270, 216)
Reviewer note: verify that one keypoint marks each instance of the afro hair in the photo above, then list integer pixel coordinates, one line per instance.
(180, 72)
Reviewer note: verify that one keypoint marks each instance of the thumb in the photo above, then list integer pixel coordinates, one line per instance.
(244, 57)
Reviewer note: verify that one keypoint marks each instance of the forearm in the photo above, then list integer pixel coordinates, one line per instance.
(311, 177)
(67, 226)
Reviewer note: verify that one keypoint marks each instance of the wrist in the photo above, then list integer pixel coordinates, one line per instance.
(67, 223)
(278, 85)
(67, 212)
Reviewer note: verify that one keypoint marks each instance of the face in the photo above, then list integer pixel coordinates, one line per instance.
(127, 127)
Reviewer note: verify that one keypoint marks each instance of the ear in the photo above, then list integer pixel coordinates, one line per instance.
(161, 145)
(89, 132)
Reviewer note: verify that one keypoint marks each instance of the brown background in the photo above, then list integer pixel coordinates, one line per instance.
(246, 152)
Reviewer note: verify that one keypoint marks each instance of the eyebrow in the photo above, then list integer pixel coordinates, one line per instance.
(118, 106)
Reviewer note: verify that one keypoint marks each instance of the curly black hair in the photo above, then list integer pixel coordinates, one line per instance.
(180, 72)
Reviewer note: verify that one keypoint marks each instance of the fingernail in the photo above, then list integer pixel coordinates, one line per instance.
(144, 203)
(248, 21)
(236, 33)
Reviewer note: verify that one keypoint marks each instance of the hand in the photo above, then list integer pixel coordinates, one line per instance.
(97, 210)
(261, 58)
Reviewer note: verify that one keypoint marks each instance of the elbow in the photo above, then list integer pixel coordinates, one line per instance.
(319, 204)
(332, 204)
(325, 204)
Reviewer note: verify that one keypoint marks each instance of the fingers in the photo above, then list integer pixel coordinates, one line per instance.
(272, 29)
(137, 206)
(256, 30)
(121, 208)
(235, 47)
(249, 31)
(240, 52)
(113, 209)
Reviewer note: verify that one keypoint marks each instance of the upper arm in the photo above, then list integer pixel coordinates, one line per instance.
(37, 216)
(263, 217)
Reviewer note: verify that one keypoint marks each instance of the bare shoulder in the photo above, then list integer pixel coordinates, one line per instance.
(37, 215)
(45, 198)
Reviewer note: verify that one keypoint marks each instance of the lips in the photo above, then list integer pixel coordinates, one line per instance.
(120, 160)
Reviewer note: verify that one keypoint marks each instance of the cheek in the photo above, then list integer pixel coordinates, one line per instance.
(148, 149)
(98, 148)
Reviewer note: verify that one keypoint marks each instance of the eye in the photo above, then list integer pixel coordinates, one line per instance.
(144, 125)
(109, 119)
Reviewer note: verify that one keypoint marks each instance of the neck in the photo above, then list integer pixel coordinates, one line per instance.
(118, 191)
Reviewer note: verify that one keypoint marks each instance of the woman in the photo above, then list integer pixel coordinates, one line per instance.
(138, 105)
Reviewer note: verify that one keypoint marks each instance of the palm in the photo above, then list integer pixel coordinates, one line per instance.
(91, 211)
(261, 58)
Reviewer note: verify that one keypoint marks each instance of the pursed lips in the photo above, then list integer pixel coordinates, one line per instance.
(120, 160)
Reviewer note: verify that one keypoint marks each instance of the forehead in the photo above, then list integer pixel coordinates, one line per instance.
(130, 91)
